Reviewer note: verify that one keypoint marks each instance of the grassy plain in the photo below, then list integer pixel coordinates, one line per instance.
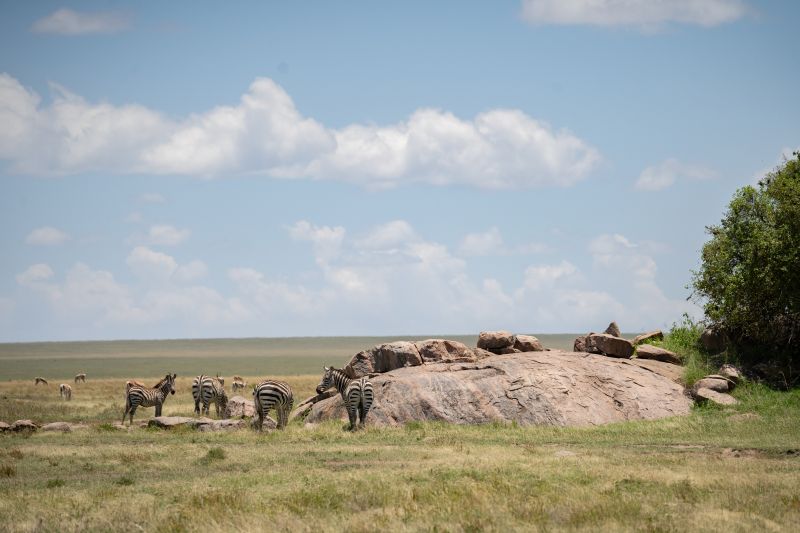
(731, 469)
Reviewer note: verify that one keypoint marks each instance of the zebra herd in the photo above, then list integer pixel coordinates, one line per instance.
(268, 394)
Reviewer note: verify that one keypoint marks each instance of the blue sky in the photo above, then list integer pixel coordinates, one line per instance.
(359, 168)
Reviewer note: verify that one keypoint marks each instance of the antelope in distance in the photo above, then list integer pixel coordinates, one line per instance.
(65, 391)
(38, 380)
(80, 377)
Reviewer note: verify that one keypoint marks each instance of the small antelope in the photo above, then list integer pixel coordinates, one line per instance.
(38, 380)
(66, 391)
(238, 383)
(80, 377)
(221, 380)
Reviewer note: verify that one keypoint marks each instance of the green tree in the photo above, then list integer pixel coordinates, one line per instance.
(749, 282)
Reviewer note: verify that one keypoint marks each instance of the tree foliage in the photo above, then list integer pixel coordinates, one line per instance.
(749, 281)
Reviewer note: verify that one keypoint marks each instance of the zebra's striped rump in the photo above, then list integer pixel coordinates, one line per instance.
(357, 394)
(271, 394)
(206, 389)
(139, 396)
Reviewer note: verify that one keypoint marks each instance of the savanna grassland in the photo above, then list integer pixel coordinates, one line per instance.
(731, 469)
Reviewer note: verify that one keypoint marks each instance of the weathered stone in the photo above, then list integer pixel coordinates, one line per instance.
(495, 340)
(703, 394)
(713, 340)
(269, 423)
(57, 426)
(383, 358)
(715, 383)
(535, 388)
(613, 330)
(239, 407)
(505, 351)
(224, 425)
(4, 427)
(668, 370)
(730, 372)
(655, 335)
(23, 425)
(170, 422)
(445, 351)
(580, 344)
(480, 353)
(648, 351)
(606, 344)
(304, 407)
(527, 343)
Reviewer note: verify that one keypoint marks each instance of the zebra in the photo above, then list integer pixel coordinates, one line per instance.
(238, 383)
(137, 395)
(356, 393)
(65, 391)
(204, 390)
(80, 377)
(38, 380)
(273, 394)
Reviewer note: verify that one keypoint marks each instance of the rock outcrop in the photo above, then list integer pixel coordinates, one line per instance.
(445, 351)
(550, 388)
(303, 408)
(709, 395)
(495, 340)
(4, 427)
(613, 330)
(648, 351)
(23, 425)
(605, 344)
(201, 423)
(239, 407)
(528, 343)
(655, 335)
(383, 358)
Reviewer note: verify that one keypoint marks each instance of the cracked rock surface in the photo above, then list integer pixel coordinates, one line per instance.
(534, 388)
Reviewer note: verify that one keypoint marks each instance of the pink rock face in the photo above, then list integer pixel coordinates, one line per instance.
(648, 351)
(384, 358)
(655, 335)
(703, 394)
(535, 388)
(239, 407)
(495, 340)
(444, 351)
(580, 344)
(715, 383)
(609, 345)
(613, 330)
(528, 343)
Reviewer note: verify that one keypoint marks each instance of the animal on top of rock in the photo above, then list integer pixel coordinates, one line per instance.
(65, 391)
(80, 377)
(38, 380)
(140, 396)
(270, 394)
(206, 389)
(356, 393)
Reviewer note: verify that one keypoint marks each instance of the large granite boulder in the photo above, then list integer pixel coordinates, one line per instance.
(527, 343)
(383, 358)
(303, 408)
(548, 388)
(648, 351)
(613, 330)
(239, 407)
(445, 351)
(495, 340)
(605, 344)
(580, 344)
(655, 335)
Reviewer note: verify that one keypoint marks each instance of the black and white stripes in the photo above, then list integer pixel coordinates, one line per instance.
(138, 396)
(206, 389)
(356, 393)
(271, 394)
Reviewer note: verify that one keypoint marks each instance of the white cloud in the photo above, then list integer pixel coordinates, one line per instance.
(35, 275)
(191, 272)
(68, 22)
(151, 265)
(491, 243)
(153, 198)
(46, 236)
(326, 240)
(644, 14)
(166, 235)
(266, 135)
(543, 276)
(658, 177)
(388, 236)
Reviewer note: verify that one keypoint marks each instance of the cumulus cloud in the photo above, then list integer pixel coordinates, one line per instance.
(644, 14)
(266, 135)
(46, 236)
(68, 22)
(659, 177)
(159, 234)
(491, 243)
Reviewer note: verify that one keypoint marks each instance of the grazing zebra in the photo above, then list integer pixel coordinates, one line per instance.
(38, 380)
(238, 383)
(204, 390)
(65, 391)
(273, 394)
(140, 396)
(80, 377)
(356, 393)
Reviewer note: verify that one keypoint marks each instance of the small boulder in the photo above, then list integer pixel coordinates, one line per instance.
(445, 351)
(495, 340)
(655, 335)
(4, 427)
(57, 426)
(648, 351)
(714, 382)
(383, 358)
(730, 372)
(23, 425)
(708, 395)
(269, 423)
(224, 425)
(170, 422)
(613, 330)
(606, 344)
(527, 343)
(580, 344)
(239, 407)
(713, 340)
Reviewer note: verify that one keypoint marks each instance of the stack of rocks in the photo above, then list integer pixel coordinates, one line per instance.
(715, 387)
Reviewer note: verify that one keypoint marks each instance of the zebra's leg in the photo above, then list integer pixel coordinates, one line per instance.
(125, 413)
(362, 413)
(158, 409)
(197, 406)
(132, 411)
